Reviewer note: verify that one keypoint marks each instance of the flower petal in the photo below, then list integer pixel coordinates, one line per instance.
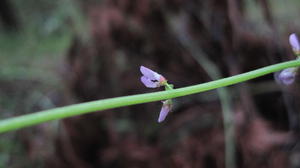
(163, 113)
(294, 42)
(166, 108)
(149, 73)
(148, 83)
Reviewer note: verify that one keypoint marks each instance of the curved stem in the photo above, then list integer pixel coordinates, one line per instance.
(82, 108)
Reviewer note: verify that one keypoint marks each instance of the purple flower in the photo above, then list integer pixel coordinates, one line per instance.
(287, 76)
(151, 79)
(295, 43)
(166, 108)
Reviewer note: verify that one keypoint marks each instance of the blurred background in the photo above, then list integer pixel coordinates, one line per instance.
(61, 52)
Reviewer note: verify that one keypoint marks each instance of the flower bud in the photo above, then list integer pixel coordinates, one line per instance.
(287, 76)
(295, 43)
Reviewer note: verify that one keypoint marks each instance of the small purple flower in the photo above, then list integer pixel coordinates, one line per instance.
(166, 108)
(287, 76)
(295, 43)
(151, 79)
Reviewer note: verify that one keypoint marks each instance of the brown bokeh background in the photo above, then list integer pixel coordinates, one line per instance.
(189, 42)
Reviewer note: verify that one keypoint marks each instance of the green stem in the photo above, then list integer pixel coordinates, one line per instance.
(78, 109)
(169, 86)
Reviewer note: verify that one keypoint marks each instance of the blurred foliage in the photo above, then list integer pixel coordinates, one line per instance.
(31, 65)
(283, 12)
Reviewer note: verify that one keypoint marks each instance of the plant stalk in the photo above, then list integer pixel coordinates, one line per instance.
(27, 120)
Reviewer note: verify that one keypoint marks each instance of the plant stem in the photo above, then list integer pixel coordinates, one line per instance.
(99, 105)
